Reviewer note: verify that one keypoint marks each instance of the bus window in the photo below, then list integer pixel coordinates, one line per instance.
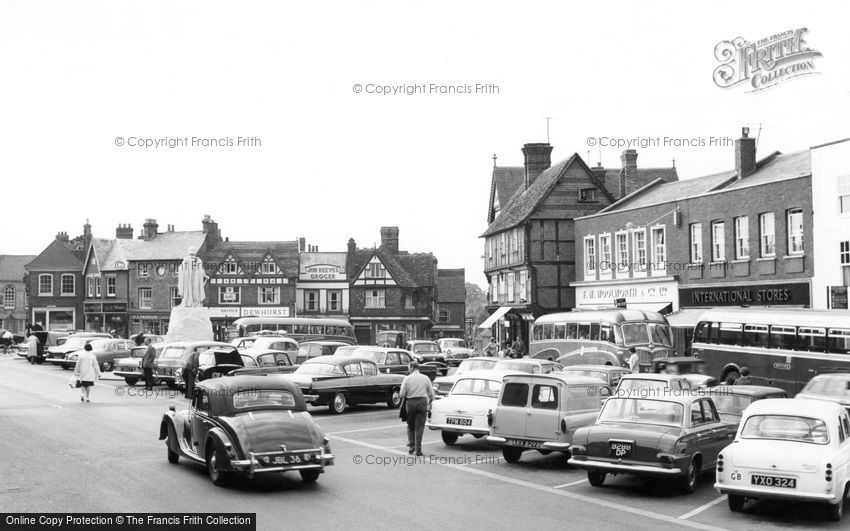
(584, 330)
(560, 331)
(811, 339)
(838, 341)
(301, 329)
(537, 333)
(701, 333)
(660, 334)
(755, 336)
(594, 331)
(547, 331)
(730, 334)
(634, 334)
(714, 333)
(606, 332)
(782, 337)
(317, 329)
(572, 330)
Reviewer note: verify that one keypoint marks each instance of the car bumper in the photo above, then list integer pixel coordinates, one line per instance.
(58, 361)
(625, 468)
(251, 465)
(124, 373)
(454, 428)
(543, 445)
(775, 493)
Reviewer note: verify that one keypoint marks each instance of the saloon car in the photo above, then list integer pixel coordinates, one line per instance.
(676, 437)
(732, 400)
(444, 384)
(107, 352)
(425, 351)
(247, 425)
(542, 411)
(609, 374)
(647, 382)
(690, 368)
(455, 350)
(265, 361)
(68, 344)
(834, 387)
(389, 360)
(313, 349)
(168, 368)
(528, 365)
(467, 407)
(130, 368)
(789, 450)
(339, 382)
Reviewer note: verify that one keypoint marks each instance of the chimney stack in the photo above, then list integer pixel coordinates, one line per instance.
(745, 154)
(149, 229)
(628, 173)
(389, 239)
(352, 246)
(87, 230)
(62, 236)
(124, 232)
(211, 228)
(538, 158)
(302, 244)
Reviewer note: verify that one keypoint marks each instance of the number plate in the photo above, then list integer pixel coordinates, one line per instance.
(289, 459)
(524, 444)
(457, 421)
(620, 449)
(773, 481)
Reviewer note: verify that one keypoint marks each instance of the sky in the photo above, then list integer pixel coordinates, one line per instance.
(86, 84)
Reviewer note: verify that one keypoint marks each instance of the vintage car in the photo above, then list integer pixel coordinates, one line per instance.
(467, 407)
(46, 340)
(732, 400)
(676, 437)
(788, 450)
(425, 351)
(528, 365)
(455, 350)
(247, 425)
(389, 360)
(589, 356)
(107, 352)
(607, 373)
(339, 381)
(693, 369)
(219, 361)
(643, 381)
(313, 349)
(265, 361)
(131, 368)
(155, 338)
(542, 411)
(168, 368)
(444, 384)
(833, 387)
(67, 344)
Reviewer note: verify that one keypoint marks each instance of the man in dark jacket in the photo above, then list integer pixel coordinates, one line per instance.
(745, 377)
(190, 369)
(147, 363)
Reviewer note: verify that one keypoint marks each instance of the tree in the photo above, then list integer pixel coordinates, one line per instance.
(476, 303)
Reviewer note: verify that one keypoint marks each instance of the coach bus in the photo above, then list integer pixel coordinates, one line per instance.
(298, 328)
(601, 337)
(780, 347)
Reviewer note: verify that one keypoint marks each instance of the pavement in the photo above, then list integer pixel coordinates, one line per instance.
(61, 455)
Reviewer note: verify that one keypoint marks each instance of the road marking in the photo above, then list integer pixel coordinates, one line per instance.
(569, 484)
(423, 444)
(563, 493)
(701, 508)
(399, 425)
(54, 405)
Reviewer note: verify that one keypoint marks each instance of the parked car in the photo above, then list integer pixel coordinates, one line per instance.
(468, 406)
(219, 361)
(693, 369)
(542, 412)
(789, 450)
(107, 352)
(643, 381)
(455, 350)
(155, 338)
(248, 341)
(428, 352)
(312, 349)
(247, 425)
(732, 400)
(339, 382)
(529, 365)
(130, 368)
(65, 344)
(168, 368)
(389, 360)
(677, 437)
(607, 373)
(444, 384)
(265, 361)
(833, 387)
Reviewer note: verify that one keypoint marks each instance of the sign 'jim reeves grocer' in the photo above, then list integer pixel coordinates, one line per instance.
(322, 272)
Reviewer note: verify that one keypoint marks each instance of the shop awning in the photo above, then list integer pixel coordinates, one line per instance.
(495, 316)
(685, 318)
(660, 307)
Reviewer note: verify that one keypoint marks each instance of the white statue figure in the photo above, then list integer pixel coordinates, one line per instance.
(190, 280)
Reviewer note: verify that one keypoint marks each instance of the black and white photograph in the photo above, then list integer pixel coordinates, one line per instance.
(378, 264)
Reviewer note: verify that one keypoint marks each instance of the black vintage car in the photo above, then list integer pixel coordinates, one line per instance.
(389, 360)
(247, 425)
(338, 381)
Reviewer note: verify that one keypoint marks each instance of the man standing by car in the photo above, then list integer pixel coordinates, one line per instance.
(147, 363)
(417, 390)
(190, 368)
(32, 348)
(518, 348)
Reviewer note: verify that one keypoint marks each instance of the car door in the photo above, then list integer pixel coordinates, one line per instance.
(712, 434)
(513, 409)
(356, 383)
(374, 385)
(544, 413)
(393, 363)
(200, 422)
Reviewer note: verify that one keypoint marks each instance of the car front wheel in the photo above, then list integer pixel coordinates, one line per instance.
(66, 366)
(394, 399)
(596, 478)
(338, 404)
(688, 481)
(131, 381)
(173, 457)
(216, 462)
(511, 453)
(106, 366)
(309, 476)
(736, 503)
(171, 384)
(449, 438)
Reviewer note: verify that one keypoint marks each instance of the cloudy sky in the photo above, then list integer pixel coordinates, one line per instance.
(335, 163)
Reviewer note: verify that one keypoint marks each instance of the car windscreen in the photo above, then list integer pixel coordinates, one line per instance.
(641, 411)
(727, 404)
(320, 368)
(829, 386)
(514, 366)
(77, 342)
(785, 427)
(477, 387)
(371, 355)
(629, 384)
(473, 365)
(173, 353)
(425, 347)
(600, 375)
(263, 399)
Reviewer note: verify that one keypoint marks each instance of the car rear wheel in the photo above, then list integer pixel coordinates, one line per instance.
(171, 384)
(394, 399)
(736, 503)
(338, 404)
(511, 453)
(131, 381)
(836, 512)
(309, 476)
(106, 366)
(66, 366)
(688, 481)
(449, 438)
(173, 457)
(216, 462)
(596, 478)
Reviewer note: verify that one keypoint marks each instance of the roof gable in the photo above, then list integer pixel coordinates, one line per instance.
(505, 183)
(58, 255)
(375, 272)
(251, 254)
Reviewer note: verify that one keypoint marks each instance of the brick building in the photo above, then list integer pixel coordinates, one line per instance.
(451, 304)
(14, 291)
(322, 288)
(107, 282)
(390, 289)
(529, 249)
(741, 237)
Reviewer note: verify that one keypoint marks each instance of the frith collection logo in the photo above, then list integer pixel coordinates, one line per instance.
(766, 63)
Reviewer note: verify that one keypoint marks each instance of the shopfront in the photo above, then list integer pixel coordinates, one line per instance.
(747, 294)
(105, 317)
(55, 318)
(150, 322)
(656, 295)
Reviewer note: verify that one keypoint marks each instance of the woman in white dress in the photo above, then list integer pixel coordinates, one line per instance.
(87, 372)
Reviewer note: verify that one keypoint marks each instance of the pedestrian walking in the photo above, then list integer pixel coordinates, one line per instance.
(492, 348)
(86, 371)
(32, 348)
(745, 377)
(7, 341)
(190, 368)
(147, 363)
(634, 361)
(418, 394)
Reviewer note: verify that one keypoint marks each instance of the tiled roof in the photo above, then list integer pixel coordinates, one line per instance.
(778, 168)
(507, 180)
(12, 266)
(611, 177)
(58, 255)
(100, 248)
(668, 192)
(451, 285)
(414, 270)
(164, 246)
(329, 258)
(285, 253)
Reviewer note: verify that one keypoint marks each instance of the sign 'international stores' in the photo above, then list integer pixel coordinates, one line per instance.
(323, 272)
(794, 294)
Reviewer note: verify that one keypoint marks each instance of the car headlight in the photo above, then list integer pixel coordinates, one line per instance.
(178, 373)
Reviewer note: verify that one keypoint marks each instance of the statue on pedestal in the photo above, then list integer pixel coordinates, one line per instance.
(190, 281)
(191, 320)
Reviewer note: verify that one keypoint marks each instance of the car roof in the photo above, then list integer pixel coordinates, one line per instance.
(567, 379)
(193, 344)
(833, 376)
(480, 358)
(421, 341)
(680, 398)
(326, 343)
(748, 390)
(652, 376)
(802, 407)
(376, 349)
(679, 359)
(612, 315)
(487, 374)
(275, 338)
(254, 352)
(597, 368)
(527, 361)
